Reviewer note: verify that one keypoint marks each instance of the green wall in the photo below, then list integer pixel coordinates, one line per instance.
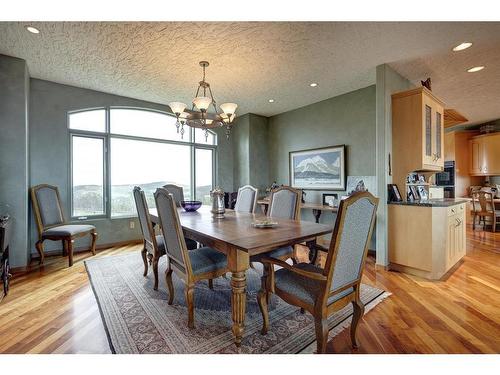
(346, 119)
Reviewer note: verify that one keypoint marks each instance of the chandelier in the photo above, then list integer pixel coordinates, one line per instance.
(199, 115)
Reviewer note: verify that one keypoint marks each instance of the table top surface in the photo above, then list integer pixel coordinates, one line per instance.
(312, 206)
(236, 229)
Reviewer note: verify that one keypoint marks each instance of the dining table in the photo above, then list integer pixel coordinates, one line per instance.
(236, 237)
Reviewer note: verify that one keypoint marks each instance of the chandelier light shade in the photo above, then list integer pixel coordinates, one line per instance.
(177, 107)
(202, 102)
(200, 115)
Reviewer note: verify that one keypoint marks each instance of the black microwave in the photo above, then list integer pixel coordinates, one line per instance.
(447, 176)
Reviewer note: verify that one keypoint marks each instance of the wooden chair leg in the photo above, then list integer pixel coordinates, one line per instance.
(358, 312)
(321, 327)
(494, 224)
(262, 300)
(144, 254)
(70, 251)
(190, 304)
(94, 239)
(210, 283)
(474, 221)
(64, 248)
(39, 248)
(155, 272)
(170, 285)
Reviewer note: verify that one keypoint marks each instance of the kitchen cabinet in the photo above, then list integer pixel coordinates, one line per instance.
(484, 151)
(426, 240)
(417, 133)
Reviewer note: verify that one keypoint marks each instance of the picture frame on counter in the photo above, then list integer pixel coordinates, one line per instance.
(330, 199)
(393, 194)
(422, 192)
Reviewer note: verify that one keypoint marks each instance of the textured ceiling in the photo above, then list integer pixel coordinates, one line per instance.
(252, 62)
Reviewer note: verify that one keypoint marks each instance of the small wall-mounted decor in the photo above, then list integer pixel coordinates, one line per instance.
(361, 183)
(318, 169)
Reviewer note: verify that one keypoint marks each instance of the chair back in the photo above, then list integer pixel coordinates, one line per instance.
(144, 219)
(173, 237)
(177, 192)
(285, 203)
(483, 200)
(247, 199)
(47, 206)
(349, 245)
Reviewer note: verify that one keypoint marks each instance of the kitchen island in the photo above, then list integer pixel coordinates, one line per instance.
(426, 238)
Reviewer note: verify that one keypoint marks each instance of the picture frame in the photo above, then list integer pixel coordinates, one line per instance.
(318, 168)
(330, 199)
(422, 192)
(393, 194)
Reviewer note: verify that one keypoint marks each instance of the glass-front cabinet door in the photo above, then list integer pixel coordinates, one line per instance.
(438, 137)
(427, 144)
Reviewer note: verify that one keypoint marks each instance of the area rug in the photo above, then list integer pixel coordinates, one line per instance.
(139, 320)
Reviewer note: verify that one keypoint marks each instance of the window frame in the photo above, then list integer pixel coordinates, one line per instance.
(106, 136)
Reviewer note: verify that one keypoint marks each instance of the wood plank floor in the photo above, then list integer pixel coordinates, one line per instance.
(53, 310)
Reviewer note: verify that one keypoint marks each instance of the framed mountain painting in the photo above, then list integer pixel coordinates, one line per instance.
(318, 169)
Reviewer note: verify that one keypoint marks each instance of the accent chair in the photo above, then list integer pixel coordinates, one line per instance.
(192, 266)
(52, 225)
(154, 247)
(247, 199)
(322, 291)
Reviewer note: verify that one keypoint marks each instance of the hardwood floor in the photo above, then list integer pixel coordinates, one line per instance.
(53, 310)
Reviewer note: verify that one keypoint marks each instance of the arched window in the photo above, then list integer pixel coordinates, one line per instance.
(116, 148)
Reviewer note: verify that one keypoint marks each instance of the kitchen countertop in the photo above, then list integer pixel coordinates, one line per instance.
(445, 202)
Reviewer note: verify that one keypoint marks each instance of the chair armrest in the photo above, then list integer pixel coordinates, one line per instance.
(311, 275)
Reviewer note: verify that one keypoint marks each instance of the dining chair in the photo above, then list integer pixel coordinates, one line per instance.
(154, 247)
(322, 291)
(191, 266)
(284, 203)
(247, 199)
(483, 204)
(52, 225)
(178, 194)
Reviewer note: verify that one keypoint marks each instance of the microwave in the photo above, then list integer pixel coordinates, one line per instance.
(447, 176)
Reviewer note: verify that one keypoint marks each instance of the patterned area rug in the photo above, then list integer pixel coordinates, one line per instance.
(139, 320)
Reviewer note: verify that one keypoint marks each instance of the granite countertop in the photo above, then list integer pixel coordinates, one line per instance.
(445, 202)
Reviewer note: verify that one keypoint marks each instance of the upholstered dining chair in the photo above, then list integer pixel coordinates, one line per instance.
(204, 263)
(483, 204)
(284, 203)
(247, 199)
(178, 194)
(52, 225)
(154, 247)
(322, 291)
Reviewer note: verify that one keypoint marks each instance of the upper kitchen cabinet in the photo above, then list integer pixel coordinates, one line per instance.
(417, 131)
(484, 151)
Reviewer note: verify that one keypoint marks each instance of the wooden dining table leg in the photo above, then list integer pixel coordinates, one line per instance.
(238, 262)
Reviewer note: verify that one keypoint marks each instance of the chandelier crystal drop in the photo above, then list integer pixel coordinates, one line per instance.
(200, 115)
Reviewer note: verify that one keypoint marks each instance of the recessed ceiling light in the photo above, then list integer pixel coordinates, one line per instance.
(271, 100)
(475, 69)
(462, 46)
(32, 30)
(314, 84)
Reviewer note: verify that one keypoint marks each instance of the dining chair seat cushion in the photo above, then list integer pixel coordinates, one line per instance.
(276, 253)
(68, 230)
(302, 287)
(206, 259)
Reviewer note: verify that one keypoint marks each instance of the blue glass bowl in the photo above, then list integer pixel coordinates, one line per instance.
(190, 206)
